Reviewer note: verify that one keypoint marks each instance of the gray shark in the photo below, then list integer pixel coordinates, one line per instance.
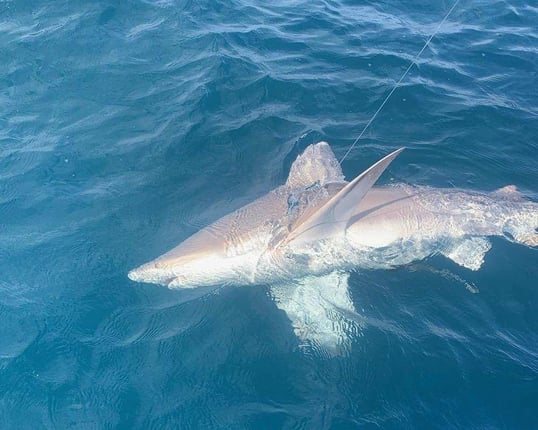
(304, 237)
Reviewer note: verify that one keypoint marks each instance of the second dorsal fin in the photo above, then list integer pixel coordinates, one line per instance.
(333, 216)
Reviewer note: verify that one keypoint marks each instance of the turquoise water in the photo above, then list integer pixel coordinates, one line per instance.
(127, 126)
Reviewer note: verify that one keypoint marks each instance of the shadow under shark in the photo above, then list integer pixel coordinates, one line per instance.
(305, 236)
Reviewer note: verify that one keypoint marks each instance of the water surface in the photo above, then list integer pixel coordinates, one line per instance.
(126, 126)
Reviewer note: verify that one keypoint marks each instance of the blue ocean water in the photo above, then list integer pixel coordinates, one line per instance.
(126, 126)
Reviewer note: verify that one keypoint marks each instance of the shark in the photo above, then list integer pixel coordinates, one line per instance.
(305, 237)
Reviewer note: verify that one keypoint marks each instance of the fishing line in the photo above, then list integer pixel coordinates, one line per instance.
(401, 79)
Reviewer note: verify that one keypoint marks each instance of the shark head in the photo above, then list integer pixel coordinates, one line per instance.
(201, 260)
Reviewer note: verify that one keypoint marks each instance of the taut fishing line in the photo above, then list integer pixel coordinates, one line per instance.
(400, 80)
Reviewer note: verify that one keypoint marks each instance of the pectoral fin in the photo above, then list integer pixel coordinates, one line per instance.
(469, 253)
(333, 215)
(319, 309)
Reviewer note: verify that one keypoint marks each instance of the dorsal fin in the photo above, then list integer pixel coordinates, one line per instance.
(317, 163)
(334, 215)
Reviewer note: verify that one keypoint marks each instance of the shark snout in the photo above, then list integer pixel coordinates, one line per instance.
(151, 273)
(135, 275)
